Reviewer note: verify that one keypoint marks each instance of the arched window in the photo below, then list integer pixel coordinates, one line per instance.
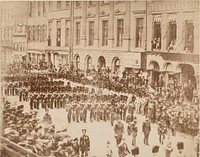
(88, 63)
(77, 61)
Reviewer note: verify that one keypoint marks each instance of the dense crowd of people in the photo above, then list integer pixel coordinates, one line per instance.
(43, 91)
(103, 98)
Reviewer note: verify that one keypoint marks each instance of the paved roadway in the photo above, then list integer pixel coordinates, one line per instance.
(101, 132)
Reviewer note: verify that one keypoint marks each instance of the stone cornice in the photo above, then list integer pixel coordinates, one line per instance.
(103, 14)
(119, 12)
(90, 15)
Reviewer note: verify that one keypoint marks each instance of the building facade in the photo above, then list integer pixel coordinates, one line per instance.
(12, 14)
(174, 26)
(37, 32)
(159, 37)
(92, 34)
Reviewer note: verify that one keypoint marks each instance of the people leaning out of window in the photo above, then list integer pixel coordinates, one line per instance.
(155, 44)
(172, 45)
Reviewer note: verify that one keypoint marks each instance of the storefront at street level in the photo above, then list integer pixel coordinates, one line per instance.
(180, 67)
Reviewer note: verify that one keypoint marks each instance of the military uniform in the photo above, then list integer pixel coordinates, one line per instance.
(118, 130)
(84, 145)
(146, 128)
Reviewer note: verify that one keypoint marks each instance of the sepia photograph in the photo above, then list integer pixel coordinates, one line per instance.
(107, 78)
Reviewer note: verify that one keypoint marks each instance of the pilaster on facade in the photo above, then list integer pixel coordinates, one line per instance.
(111, 25)
(83, 25)
(126, 36)
(96, 23)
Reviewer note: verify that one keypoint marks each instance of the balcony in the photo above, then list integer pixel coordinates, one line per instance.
(173, 56)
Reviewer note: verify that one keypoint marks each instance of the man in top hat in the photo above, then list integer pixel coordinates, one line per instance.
(84, 144)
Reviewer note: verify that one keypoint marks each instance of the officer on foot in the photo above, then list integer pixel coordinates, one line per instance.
(84, 144)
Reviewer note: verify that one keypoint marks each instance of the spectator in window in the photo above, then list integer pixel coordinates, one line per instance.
(58, 40)
(49, 41)
(188, 46)
(158, 46)
(172, 45)
(153, 44)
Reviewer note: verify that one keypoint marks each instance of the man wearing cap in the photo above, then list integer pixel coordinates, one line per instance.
(84, 144)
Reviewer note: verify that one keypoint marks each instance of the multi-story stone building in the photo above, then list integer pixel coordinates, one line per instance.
(175, 24)
(11, 14)
(92, 33)
(160, 36)
(37, 31)
(19, 42)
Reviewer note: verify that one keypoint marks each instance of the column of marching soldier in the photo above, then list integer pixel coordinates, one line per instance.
(78, 101)
(44, 92)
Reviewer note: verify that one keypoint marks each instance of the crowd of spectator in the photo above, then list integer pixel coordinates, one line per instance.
(125, 97)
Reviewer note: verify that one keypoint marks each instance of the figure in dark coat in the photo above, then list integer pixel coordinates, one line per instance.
(146, 128)
(84, 144)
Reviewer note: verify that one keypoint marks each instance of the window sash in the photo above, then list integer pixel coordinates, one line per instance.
(139, 31)
(44, 32)
(120, 31)
(189, 36)
(44, 9)
(172, 31)
(91, 33)
(33, 33)
(67, 37)
(77, 33)
(105, 33)
(38, 37)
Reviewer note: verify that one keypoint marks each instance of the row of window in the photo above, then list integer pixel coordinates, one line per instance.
(91, 26)
(37, 33)
(7, 33)
(37, 8)
(20, 46)
(171, 36)
(61, 4)
(7, 15)
(40, 6)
